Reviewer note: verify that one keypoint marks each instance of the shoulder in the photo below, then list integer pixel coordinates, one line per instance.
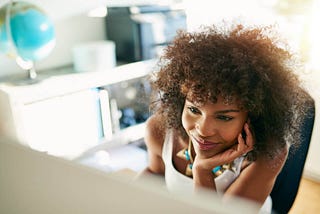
(277, 161)
(155, 134)
(272, 165)
(257, 179)
(154, 138)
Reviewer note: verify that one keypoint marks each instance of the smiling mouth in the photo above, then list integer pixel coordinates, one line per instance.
(204, 145)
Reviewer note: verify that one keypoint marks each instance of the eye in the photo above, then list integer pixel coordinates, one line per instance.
(193, 110)
(224, 117)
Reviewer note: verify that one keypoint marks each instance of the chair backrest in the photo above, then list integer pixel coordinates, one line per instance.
(287, 184)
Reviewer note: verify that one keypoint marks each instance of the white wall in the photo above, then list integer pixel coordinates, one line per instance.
(69, 32)
(312, 167)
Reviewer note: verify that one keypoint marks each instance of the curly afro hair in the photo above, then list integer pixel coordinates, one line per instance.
(237, 63)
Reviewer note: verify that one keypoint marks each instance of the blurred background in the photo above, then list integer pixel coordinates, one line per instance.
(76, 23)
(91, 92)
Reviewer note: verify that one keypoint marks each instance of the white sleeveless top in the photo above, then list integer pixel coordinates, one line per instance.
(179, 183)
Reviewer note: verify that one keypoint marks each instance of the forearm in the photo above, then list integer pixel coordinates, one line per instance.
(147, 172)
(203, 179)
(148, 176)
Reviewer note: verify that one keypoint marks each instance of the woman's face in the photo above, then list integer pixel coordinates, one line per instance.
(213, 127)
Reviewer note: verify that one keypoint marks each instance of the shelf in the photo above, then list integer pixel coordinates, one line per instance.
(56, 85)
(63, 116)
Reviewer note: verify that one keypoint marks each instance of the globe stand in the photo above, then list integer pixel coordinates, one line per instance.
(25, 81)
(32, 77)
(29, 67)
(32, 74)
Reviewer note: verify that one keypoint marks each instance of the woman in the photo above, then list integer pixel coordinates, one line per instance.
(228, 107)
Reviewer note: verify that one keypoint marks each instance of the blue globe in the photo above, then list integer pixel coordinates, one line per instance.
(29, 33)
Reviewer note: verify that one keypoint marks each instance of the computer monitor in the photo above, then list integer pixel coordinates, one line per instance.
(34, 182)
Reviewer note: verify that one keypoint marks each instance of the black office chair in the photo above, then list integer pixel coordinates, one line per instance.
(287, 184)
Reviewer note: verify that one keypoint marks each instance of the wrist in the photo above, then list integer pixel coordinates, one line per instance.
(203, 167)
(203, 178)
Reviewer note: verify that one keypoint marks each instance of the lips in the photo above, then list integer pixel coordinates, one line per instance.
(203, 144)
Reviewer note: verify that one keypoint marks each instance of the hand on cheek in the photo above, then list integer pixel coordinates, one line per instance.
(245, 145)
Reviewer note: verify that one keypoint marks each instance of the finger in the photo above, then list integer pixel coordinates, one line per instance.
(249, 136)
(229, 155)
(245, 145)
(242, 147)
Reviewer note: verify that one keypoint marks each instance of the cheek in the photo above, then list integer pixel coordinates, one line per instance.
(231, 131)
(230, 134)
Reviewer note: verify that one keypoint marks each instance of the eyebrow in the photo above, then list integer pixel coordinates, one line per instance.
(221, 111)
(227, 111)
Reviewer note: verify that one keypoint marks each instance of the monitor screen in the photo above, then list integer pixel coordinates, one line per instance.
(34, 182)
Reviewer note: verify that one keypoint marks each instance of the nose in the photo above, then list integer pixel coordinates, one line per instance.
(206, 127)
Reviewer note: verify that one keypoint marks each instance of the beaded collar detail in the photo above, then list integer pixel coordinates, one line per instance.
(185, 154)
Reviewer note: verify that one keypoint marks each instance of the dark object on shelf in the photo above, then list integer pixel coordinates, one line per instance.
(141, 32)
